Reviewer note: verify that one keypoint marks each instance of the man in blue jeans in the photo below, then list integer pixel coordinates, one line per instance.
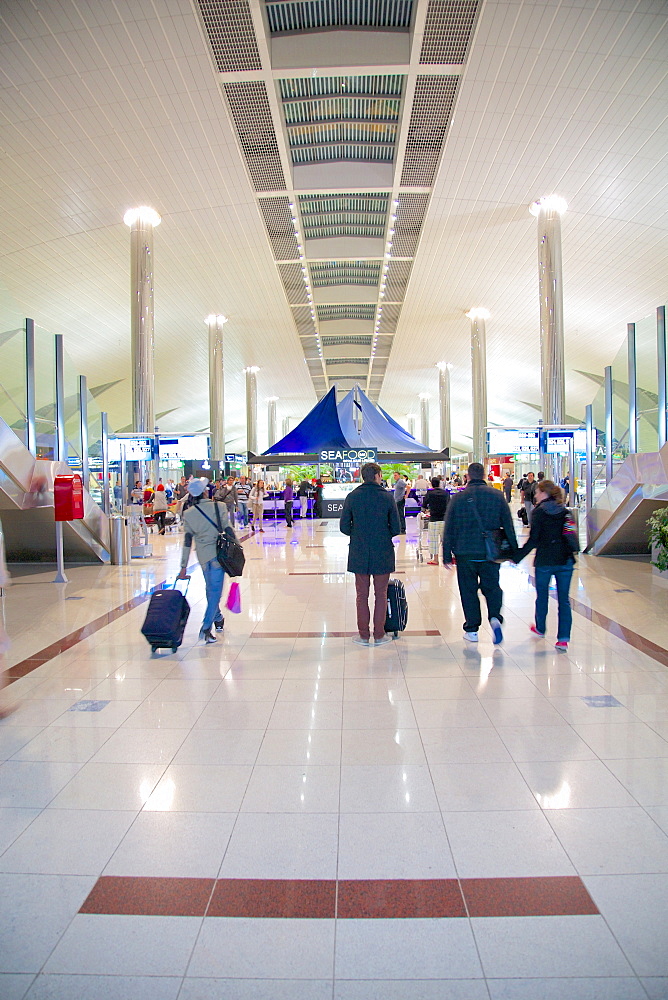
(203, 521)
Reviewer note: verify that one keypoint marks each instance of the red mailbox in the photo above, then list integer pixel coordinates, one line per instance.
(68, 498)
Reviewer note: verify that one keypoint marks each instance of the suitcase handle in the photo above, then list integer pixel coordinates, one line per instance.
(176, 580)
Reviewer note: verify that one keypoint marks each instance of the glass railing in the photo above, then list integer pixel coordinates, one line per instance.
(648, 384)
(45, 394)
(13, 381)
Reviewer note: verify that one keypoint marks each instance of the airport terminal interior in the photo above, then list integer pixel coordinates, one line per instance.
(274, 240)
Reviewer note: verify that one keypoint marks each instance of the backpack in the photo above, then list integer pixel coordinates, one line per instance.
(569, 533)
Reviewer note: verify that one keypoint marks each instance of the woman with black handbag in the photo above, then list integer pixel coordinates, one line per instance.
(554, 558)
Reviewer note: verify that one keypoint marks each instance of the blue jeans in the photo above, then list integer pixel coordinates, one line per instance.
(243, 510)
(214, 577)
(562, 576)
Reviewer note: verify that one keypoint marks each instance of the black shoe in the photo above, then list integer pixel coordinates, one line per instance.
(220, 624)
(208, 637)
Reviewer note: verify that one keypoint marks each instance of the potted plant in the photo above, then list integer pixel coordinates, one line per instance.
(658, 537)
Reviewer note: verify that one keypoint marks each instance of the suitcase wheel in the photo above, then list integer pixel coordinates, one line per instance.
(154, 649)
(396, 635)
(174, 648)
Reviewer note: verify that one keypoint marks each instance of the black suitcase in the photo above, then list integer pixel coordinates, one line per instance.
(397, 608)
(166, 619)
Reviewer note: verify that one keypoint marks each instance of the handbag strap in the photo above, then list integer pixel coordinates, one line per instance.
(478, 517)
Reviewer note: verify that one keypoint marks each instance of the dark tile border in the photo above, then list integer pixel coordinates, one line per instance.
(347, 899)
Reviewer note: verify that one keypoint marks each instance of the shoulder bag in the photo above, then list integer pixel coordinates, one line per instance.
(229, 552)
(497, 547)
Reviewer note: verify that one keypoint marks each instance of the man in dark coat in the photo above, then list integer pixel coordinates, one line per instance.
(463, 536)
(371, 519)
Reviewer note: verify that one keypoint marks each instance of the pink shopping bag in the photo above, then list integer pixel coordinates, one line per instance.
(233, 602)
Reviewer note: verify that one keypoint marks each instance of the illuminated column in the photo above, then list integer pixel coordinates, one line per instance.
(271, 420)
(216, 387)
(410, 417)
(444, 403)
(479, 382)
(548, 211)
(286, 426)
(424, 418)
(251, 408)
(142, 221)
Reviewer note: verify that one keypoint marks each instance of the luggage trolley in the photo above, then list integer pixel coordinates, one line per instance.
(422, 524)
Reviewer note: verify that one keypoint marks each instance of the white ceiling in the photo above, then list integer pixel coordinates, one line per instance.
(107, 105)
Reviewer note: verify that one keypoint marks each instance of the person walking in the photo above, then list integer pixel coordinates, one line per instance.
(160, 508)
(201, 522)
(507, 486)
(400, 491)
(371, 520)
(227, 494)
(243, 493)
(256, 500)
(317, 500)
(478, 508)
(553, 558)
(528, 495)
(302, 493)
(288, 496)
(436, 502)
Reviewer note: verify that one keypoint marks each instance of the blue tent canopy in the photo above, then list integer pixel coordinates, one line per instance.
(377, 430)
(319, 429)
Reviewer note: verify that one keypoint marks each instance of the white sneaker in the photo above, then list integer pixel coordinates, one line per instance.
(360, 641)
(471, 636)
(383, 639)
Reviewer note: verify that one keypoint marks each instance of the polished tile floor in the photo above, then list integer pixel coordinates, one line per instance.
(289, 816)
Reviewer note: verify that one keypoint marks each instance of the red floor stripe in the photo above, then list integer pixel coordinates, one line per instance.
(348, 899)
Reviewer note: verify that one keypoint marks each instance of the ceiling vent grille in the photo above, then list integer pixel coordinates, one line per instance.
(334, 109)
(251, 113)
(347, 361)
(447, 31)
(389, 318)
(343, 215)
(398, 274)
(313, 87)
(359, 341)
(330, 133)
(347, 311)
(408, 225)
(293, 283)
(430, 116)
(280, 227)
(229, 25)
(370, 151)
(305, 15)
(303, 320)
(345, 272)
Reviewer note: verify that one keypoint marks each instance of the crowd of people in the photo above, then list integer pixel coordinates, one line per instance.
(461, 511)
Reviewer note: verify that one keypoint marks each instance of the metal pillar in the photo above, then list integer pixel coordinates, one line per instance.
(105, 463)
(61, 444)
(608, 424)
(285, 426)
(479, 382)
(83, 425)
(272, 436)
(424, 419)
(444, 405)
(661, 359)
(31, 437)
(633, 388)
(142, 222)
(251, 408)
(410, 417)
(216, 388)
(591, 449)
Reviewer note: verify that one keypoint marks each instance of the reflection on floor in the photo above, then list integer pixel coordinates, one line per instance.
(289, 815)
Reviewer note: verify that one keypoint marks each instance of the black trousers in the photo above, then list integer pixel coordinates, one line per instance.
(288, 513)
(401, 507)
(471, 577)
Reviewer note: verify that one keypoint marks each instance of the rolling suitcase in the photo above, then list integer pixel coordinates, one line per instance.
(397, 608)
(166, 619)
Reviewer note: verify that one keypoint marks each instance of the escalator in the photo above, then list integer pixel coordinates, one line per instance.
(26, 509)
(617, 523)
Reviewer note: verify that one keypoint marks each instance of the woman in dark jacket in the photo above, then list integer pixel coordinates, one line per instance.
(553, 559)
(317, 503)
